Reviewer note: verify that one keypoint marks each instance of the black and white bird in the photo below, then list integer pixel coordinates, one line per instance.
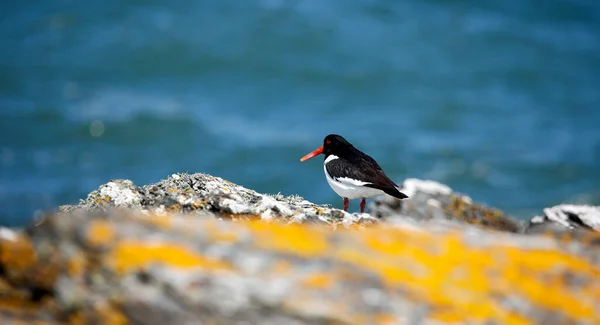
(351, 173)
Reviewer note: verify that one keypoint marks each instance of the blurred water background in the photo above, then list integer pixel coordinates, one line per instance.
(498, 99)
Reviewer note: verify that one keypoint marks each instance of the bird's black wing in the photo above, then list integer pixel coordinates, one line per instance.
(363, 169)
(381, 181)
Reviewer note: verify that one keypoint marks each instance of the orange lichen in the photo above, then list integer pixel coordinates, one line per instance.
(30, 322)
(460, 281)
(446, 315)
(551, 293)
(198, 203)
(224, 236)
(76, 265)
(77, 318)
(296, 239)
(241, 217)
(132, 255)
(319, 210)
(355, 226)
(157, 220)
(479, 215)
(385, 319)
(100, 233)
(17, 255)
(18, 305)
(459, 278)
(4, 286)
(109, 315)
(319, 281)
(176, 207)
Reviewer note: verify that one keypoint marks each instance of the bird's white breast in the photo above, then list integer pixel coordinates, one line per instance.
(347, 187)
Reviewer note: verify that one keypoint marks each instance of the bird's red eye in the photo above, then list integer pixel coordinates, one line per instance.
(328, 141)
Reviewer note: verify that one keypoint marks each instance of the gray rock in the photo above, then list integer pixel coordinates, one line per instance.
(566, 217)
(206, 195)
(117, 266)
(181, 251)
(430, 200)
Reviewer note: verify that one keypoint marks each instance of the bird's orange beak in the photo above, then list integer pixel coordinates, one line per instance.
(317, 151)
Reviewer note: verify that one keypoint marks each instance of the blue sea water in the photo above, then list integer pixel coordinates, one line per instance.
(498, 99)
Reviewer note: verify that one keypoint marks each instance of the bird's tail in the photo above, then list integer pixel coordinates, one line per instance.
(395, 192)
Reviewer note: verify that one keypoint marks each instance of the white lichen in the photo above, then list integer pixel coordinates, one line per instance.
(434, 203)
(185, 200)
(305, 203)
(160, 210)
(352, 218)
(8, 234)
(235, 206)
(269, 203)
(412, 185)
(298, 218)
(589, 215)
(538, 219)
(119, 196)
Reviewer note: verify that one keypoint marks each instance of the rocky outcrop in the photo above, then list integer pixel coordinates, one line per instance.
(431, 200)
(195, 249)
(205, 195)
(568, 216)
(181, 269)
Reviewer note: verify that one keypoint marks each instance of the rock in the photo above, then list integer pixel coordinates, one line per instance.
(567, 216)
(125, 267)
(23, 281)
(197, 249)
(205, 195)
(431, 200)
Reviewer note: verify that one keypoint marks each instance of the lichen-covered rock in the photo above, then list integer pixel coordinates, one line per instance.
(195, 249)
(206, 195)
(23, 281)
(431, 200)
(118, 267)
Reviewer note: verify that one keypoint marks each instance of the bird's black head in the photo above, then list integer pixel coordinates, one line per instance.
(333, 144)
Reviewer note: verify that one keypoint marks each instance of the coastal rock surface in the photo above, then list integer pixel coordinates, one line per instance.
(570, 216)
(205, 195)
(196, 249)
(431, 200)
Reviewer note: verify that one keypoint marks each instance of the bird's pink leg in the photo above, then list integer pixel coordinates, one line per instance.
(362, 205)
(346, 204)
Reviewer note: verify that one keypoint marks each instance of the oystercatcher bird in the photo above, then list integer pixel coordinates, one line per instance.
(351, 173)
